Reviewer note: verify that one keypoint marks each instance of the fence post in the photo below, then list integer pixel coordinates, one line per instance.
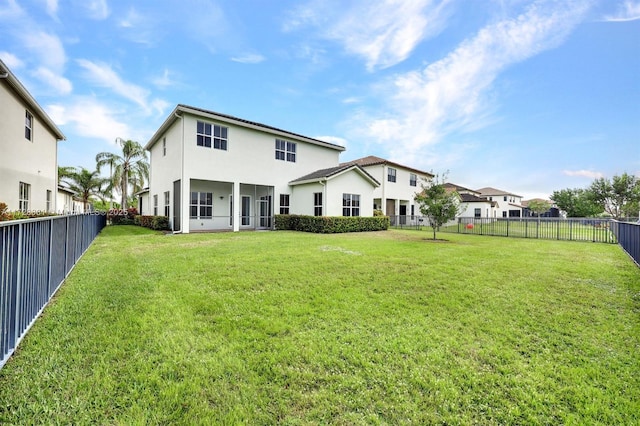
(18, 287)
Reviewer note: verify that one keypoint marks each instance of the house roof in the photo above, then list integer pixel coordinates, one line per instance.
(453, 187)
(493, 191)
(34, 107)
(372, 160)
(325, 174)
(65, 189)
(470, 198)
(216, 116)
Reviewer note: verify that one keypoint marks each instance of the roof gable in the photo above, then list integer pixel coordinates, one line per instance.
(372, 160)
(493, 191)
(323, 175)
(34, 107)
(181, 109)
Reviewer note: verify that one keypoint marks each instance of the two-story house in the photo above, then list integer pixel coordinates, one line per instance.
(398, 186)
(508, 204)
(472, 203)
(211, 171)
(28, 142)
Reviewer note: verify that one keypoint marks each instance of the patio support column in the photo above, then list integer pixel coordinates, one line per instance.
(236, 206)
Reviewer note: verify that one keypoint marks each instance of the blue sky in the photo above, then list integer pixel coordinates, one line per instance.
(528, 96)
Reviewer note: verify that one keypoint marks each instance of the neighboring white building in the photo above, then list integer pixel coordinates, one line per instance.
(472, 204)
(508, 204)
(211, 171)
(398, 186)
(66, 202)
(28, 142)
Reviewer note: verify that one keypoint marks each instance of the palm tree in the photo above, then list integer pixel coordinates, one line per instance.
(65, 172)
(127, 171)
(86, 184)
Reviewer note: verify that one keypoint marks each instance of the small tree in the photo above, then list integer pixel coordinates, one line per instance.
(86, 184)
(576, 202)
(436, 204)
(539, 207)
(616, 195)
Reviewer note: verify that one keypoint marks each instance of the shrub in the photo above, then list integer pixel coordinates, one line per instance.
(331, 224)
(159, 223)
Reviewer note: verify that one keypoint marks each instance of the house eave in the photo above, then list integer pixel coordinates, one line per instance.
(33, 105)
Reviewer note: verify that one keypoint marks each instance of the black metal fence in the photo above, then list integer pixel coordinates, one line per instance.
(574, 229)
(36, 255)
(628, 235)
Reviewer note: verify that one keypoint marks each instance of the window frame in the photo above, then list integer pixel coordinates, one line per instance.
(285, 205)
(28, 125)
(350, 205)
(477, 212)
(167, 203)
(164, 147)
(155, 204)
(24, 195)
(317, 203)
(202, 203)
(413, 179)
(285, 150)
(211, 135)
(48, 200)
(392, 174)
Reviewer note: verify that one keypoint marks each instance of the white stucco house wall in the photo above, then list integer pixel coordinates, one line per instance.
(28, 143)
(398, 187)
(211, 171)
(67, 203)
(508, 204)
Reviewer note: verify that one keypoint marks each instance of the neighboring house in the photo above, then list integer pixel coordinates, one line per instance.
(471, 203)
(211, 171)
(553, 211)
(398, 186)
(67, 203)
(28, 142)
(507, 204)
(143, 202)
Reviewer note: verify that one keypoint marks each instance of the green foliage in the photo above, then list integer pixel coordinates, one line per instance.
(331, 224)
(436, 204)
(86, 184)
(159, 223)
(539, 206)
(385, 328)
(5, 214)
(576, 202)
(617, 196)
(128, 172)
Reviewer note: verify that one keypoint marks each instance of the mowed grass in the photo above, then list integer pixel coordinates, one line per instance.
(296, 328)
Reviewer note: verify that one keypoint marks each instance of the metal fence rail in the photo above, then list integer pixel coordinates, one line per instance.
(573, 229)
(36, 255)
(628, 234)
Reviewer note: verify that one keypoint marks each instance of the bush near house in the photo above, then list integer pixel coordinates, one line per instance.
(159, 223)
(5, 214)
(122, 217)
(330, 224)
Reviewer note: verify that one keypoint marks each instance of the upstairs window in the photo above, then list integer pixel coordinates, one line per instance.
(285, 151)
(391, 174)
(28, 126)
(413, 180)
(350, 205)
(211, 136)
(284, 203)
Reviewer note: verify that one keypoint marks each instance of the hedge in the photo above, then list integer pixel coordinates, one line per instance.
(159, 223)
(330, 224)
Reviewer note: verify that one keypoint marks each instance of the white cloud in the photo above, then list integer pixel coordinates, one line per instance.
(90, 118)
(96, 9)
(629, 10)
(61, 85)
(47, 47)
(583, 173)
(249, 58)
(11, 60)
(383, 33)
(164, 80)
(102, 75)
(52, 8)
(11, 11)
(451, 94)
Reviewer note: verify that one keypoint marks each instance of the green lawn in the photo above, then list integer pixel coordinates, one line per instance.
(372, 328)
